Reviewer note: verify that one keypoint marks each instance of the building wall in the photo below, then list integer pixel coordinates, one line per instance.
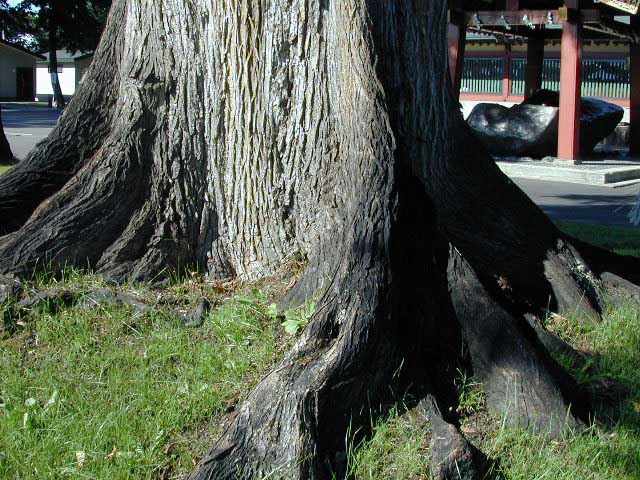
(67, 79)
(10, 59)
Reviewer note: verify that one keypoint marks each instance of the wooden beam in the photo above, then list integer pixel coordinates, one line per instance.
(629, 6)
(634, 100)
(629, 32)
(570, 73)
(510, 18)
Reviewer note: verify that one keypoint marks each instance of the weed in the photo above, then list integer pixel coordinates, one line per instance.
(471, 396)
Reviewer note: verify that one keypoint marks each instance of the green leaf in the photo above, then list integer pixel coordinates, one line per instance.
(272, 310)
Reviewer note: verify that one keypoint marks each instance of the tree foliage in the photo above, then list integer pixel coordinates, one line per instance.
(79, 23)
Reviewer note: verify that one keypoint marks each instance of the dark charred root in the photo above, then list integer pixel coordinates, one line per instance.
(521, 380)
(361, 351)
(453, 457)
(619, 287)
(604, 262)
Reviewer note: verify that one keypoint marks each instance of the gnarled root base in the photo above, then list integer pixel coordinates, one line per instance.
(453, 457)
(363, 348)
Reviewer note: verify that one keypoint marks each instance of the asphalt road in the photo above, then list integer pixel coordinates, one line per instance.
(26, 125)
(582, 203)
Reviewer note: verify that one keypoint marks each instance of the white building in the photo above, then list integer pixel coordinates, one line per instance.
(71, 67)
(17, 68)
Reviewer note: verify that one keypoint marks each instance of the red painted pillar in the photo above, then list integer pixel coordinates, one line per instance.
(506, 76)
(535, 59)
(570, 72)
(634, 77)
(456, 40)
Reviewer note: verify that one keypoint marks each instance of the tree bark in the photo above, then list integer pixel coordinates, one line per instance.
(6, 156)
(230, 136)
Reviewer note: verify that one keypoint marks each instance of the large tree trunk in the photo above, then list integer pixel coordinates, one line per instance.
(229, 136)
(6, 157)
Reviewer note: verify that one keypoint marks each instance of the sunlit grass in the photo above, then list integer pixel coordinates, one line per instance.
(104, 393)
(5, 168)
(622, 240)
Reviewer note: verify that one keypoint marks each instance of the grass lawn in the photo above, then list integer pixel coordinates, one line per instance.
(625, 241)
(101, 392)
(4, 168)
(104, 393)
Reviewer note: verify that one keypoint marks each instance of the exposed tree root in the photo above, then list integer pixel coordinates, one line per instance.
(10, 288)
(322, 129)
(521, 380)
(78, 136)
(293, 425)
(453, 457)
(19, 303)
(620, 287)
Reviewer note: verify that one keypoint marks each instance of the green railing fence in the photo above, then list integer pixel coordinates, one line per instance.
(482, 75)
(602, 78)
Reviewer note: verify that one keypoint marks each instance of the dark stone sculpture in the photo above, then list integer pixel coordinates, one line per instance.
(530, 129)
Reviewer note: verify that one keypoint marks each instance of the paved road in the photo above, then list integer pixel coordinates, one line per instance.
(26, 125)
(582, 203)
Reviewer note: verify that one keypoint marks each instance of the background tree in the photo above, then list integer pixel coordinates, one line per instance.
(231, 136)
(58, 24)
(12, 25)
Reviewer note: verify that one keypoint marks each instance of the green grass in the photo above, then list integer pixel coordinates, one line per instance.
(601, 453)
(399, 449)
(625, 241)
(5, 168)
(104, 393)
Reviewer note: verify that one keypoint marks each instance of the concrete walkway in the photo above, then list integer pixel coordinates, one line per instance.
(27, 124)
(608, 171)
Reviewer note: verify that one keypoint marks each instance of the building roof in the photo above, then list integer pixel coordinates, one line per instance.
(66, 56)
(21, 49)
